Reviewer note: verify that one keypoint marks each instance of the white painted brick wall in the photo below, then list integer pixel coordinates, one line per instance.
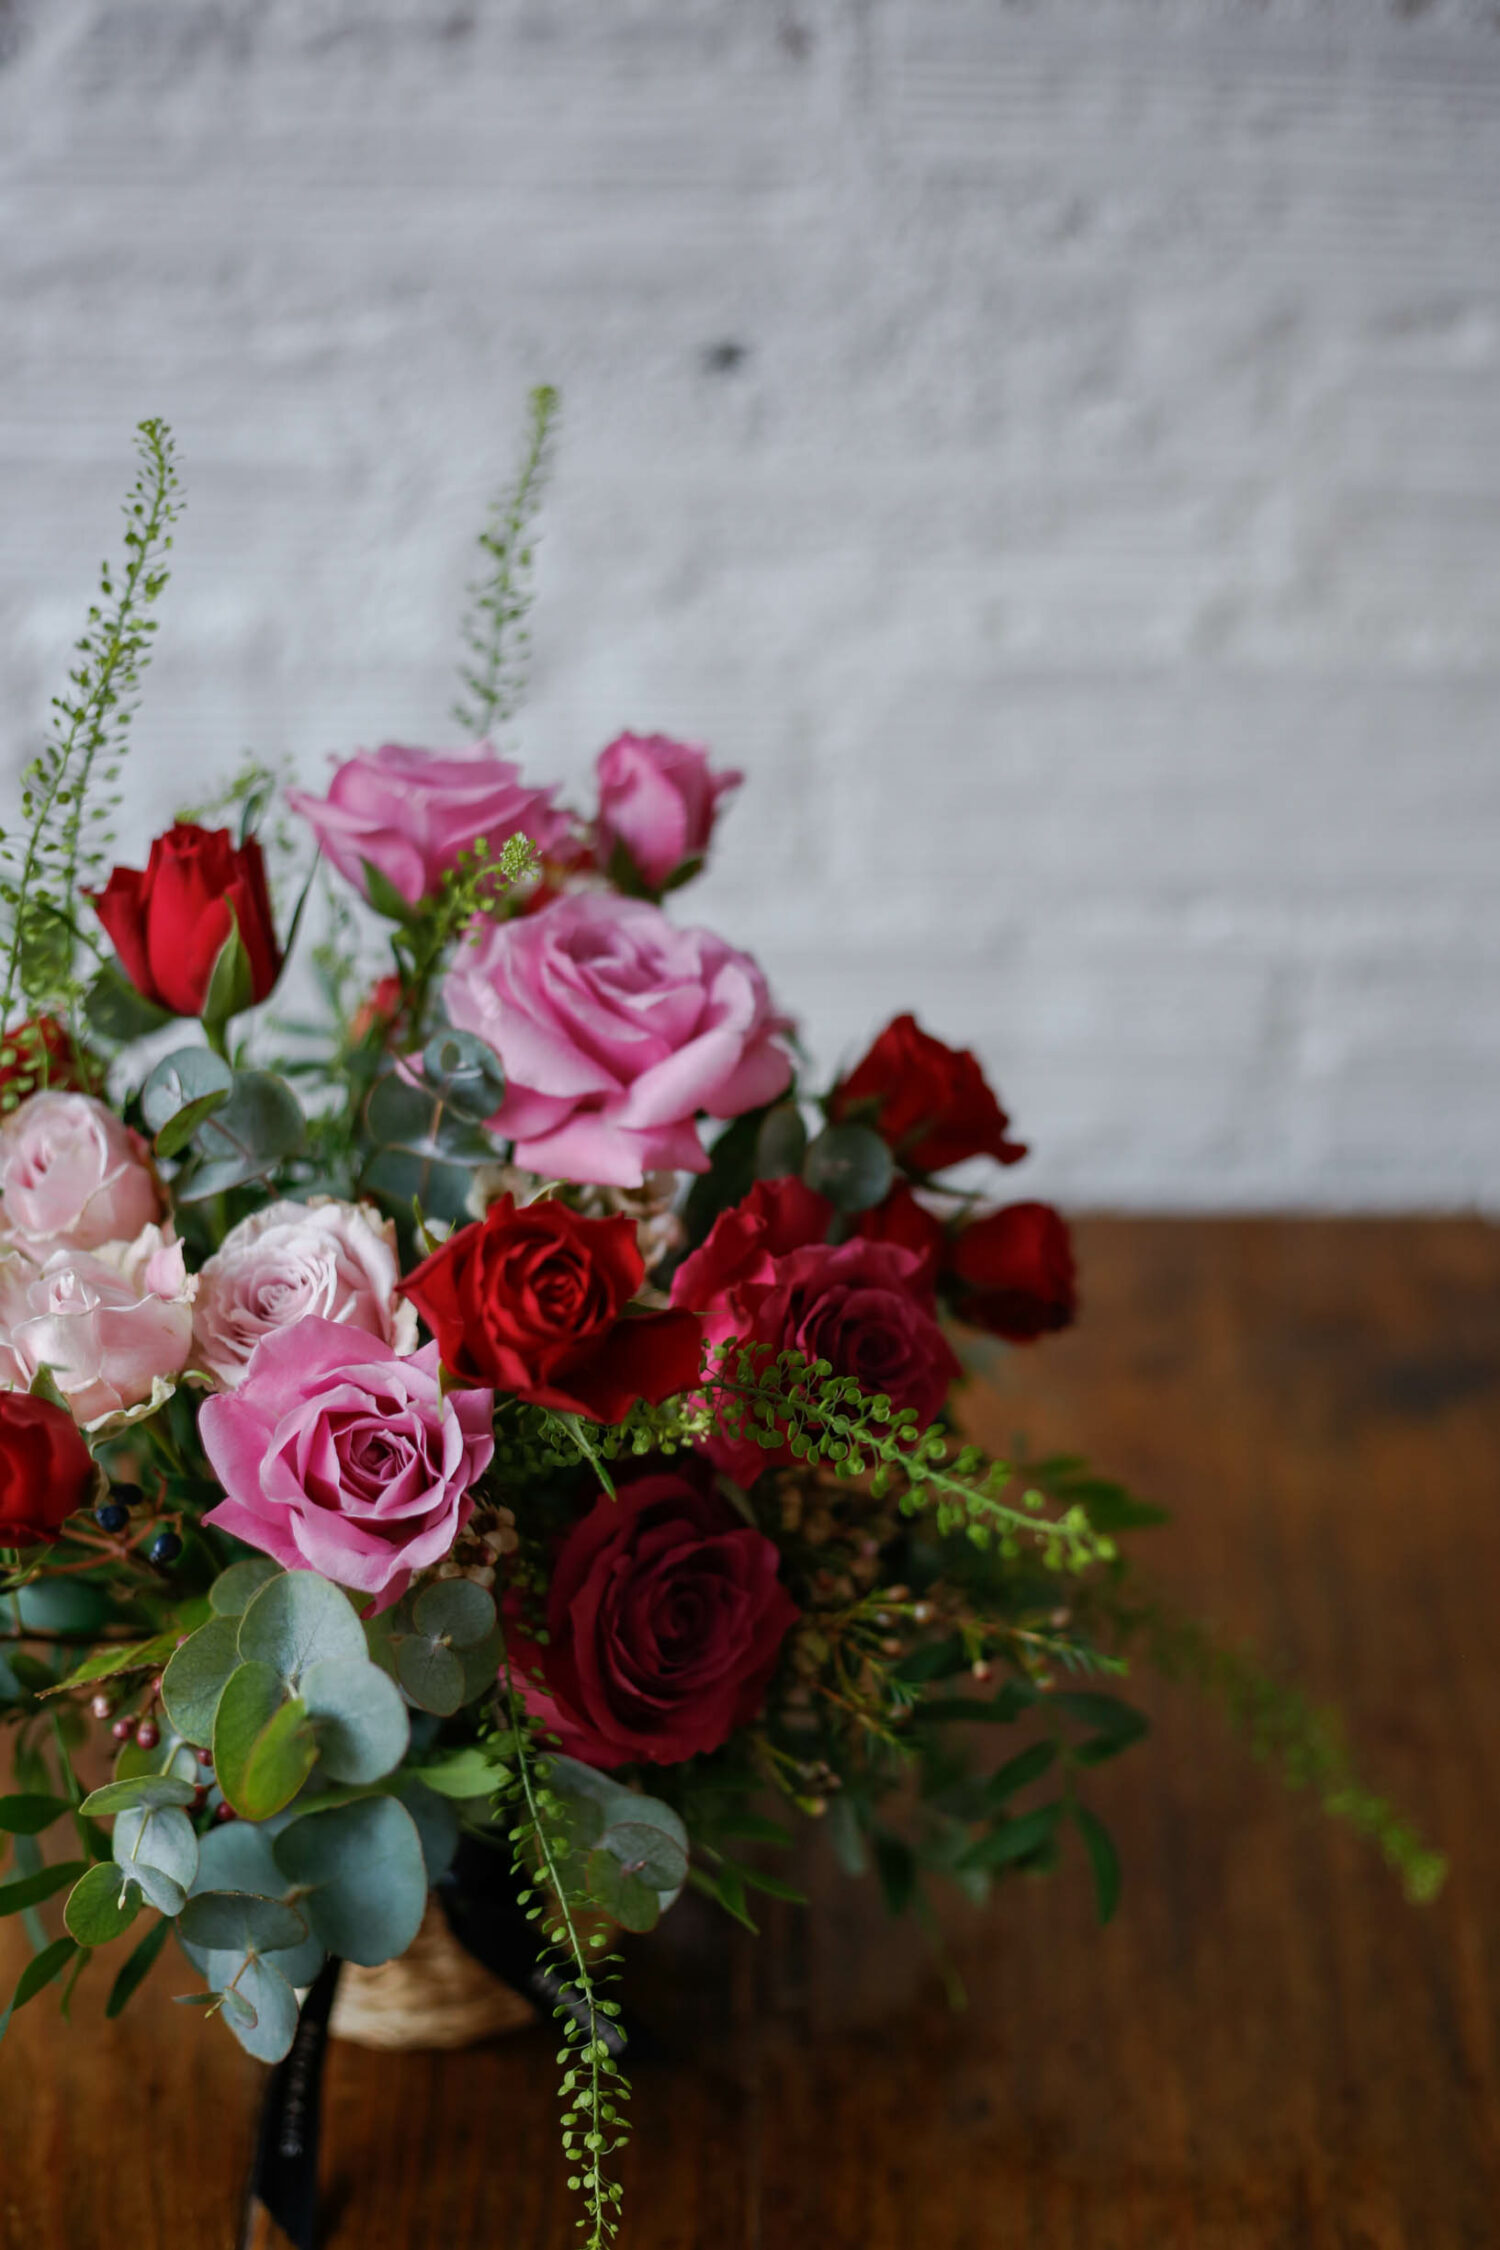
(1093, 553)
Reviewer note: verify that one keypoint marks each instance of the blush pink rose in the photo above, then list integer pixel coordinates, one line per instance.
(616, 1031)
(411, 813)
(339, 1454)
(72, 1175)
(658, 800)
(291, 1259)
(105, 1323)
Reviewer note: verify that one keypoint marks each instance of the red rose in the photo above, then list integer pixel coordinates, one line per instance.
(903, 1220)
(745, 1242)
(929, 1101)
(535, 1301)
(865, 1307)
(40, 1053)
(1012, 1272)
(46, 1470)
(664, 1620)
(170, 923)
(380, 1010)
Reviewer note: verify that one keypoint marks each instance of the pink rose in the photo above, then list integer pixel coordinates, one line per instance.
(411, 813)
(337, 1260)
(658, 801)
(340, 1455)
(615, 1030)
(71, 1174)
(106, 1324)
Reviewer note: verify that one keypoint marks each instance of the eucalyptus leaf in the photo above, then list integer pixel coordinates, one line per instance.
(147, 1792)
(236, 2010)
(263, 1748)
(653, 1853)
(464, 1771)
(297, 1619)
(358, 1718)
(431, 1674)
(456, 1611)
(467, 1074)
(781, 1143)
(361, 1869)
(237, 1856)
(102, 1904)
(234, 1589)
(159, 1851)
(196, 1675)
(402, 1179)
(851, 1165)
(184, 1089)
(624, 1897)
(240, 1922)
(263, 1989)
(412, 1117)
(436, 1823)
(258, 1128)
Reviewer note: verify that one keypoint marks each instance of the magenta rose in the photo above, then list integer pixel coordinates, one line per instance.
(658, 800)
(338, 1454)
(665, 1617)
(616, 1031)
(866, 1307)
(410, 814)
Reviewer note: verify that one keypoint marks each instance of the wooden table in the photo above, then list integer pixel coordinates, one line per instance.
(1267, 2048)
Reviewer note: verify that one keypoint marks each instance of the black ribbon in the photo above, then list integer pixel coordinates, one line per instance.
(479, 1902)
(284, 2175)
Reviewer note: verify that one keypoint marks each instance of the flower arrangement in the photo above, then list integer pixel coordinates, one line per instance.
(518, 1407)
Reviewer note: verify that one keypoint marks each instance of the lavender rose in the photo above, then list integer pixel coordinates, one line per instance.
(340, 1455)
(409, 814)
(616, 1030)
(106, 1323)
(658, 800)
(71, 1174)
(337, 1260)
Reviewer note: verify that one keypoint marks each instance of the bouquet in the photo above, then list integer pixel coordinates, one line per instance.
(515, 1411)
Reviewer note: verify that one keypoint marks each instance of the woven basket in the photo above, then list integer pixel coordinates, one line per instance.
(436, 1995)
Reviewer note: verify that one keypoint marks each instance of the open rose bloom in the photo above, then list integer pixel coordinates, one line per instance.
(522, 1407)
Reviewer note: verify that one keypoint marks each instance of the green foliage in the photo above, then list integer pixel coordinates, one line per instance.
(496, 637)
(594, 2089)
(823, 1418)
(64, 838)
(1286, 1730)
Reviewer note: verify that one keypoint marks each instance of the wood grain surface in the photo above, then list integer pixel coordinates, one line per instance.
(1267, 2048)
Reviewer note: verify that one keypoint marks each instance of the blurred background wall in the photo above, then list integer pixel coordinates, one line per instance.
(1054, 448)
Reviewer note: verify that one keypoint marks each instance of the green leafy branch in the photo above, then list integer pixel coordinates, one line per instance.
(40, 884)
(1286, 1730)
(827, 1419)
(495, 631)
(594, 2088)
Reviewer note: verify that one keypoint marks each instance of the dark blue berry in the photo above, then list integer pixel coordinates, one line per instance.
(110, 1516)
(164, 1548)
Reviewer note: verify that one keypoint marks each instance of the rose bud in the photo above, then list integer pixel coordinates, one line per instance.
(170, 924)
(930, 1102)
(658, 801)
(1012, 1273)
